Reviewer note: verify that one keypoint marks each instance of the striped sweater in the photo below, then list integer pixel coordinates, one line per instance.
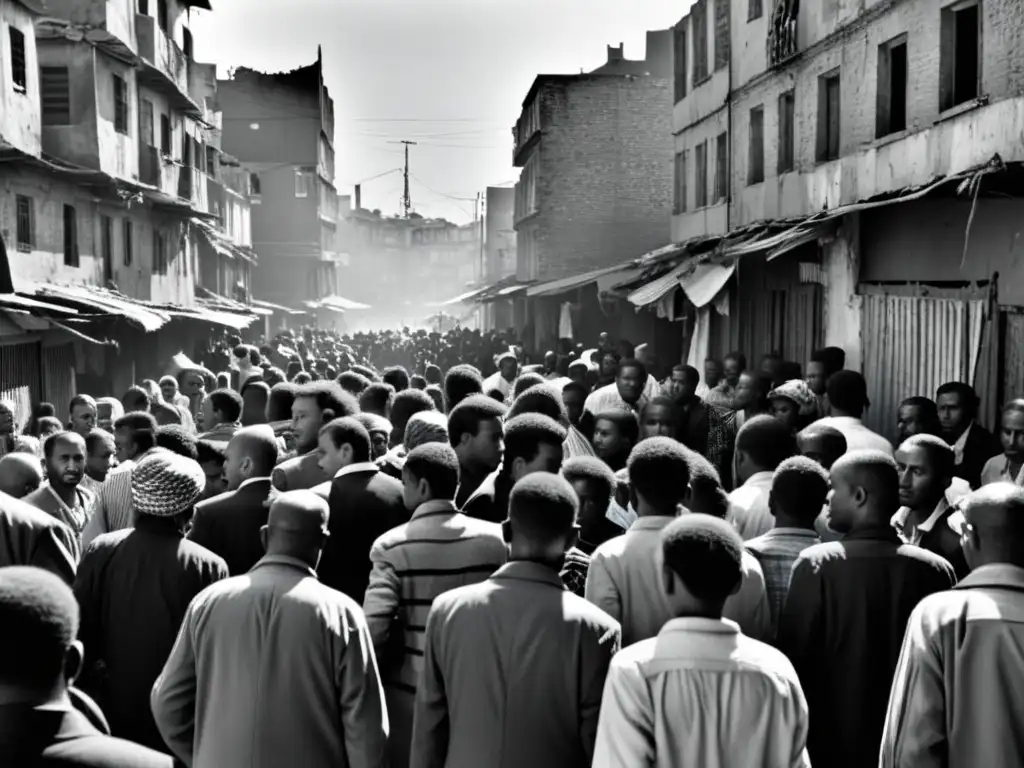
(437, 550)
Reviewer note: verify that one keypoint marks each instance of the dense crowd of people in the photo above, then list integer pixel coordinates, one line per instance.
(304, 552)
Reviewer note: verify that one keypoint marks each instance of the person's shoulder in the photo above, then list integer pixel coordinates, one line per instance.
(576, 609)
(197, 551)
(218, 502)
(466, 596)
(754, 654)
(107, 541)
(631, 658)
(927, 558)
(474, 528)
(611, 549)
(744, 496)
(20, 512)
(97, 750)
(750, 565)
(818, 555)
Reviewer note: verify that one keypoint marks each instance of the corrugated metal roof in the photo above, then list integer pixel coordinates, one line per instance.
(14, 301)
(340, 302)
(107, 302)
(554, 287)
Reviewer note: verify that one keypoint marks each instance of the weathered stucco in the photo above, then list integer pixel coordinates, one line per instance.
(19, 112)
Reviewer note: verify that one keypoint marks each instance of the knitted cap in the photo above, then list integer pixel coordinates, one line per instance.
(425, 427)
(165, 484)
(797, 391)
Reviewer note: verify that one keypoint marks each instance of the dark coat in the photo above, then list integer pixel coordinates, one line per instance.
(490, 501)
(29, 536)
(43, 737)
(298, 474)
(229, 525)
(364, 505)
(133, 588)
(981, 445)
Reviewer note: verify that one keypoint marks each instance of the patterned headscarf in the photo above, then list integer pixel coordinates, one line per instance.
(797, 391)
(165, 484)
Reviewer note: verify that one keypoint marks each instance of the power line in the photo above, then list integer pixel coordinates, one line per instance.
(406, 200)
(379, 175)
(421, 120)
(444, 194)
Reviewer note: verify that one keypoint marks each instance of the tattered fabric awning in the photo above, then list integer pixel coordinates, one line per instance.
(221, 243)
(276, 307)
(337, 303)
(606, 276)
(100, 301)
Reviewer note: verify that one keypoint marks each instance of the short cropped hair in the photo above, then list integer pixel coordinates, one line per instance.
(525, 382)
(142, 427)
(460, 382)
(706, 492)
(179, 440)
(767, 441)
(832, 439)
(353, 382)
(96, 438)
(543, 506)
(416, 381)
(940, 453)
(659, 471)
(594, 472)
(799, 488)
(624, 420)
(540, 398)
(705, 553)
(39, 616)
(228, 402)
(525, 433)
(397, 377)
(575, 386)
(78, 400)
(465, 418)
(348, 430)
(425, 427)
(279, 405)
(880, 469)
(136, 399)
(331, 397)
(408, 403)
(968, 396)
(377, 398)
(438, 465)
(362, 370)
(50, 443)
(210, 452)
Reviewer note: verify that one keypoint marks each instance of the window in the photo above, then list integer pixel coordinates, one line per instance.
(959, 54)
(211, 161)
(19, 71)
(754, 9)
(165, 135)
(755, 154)
(55, 85)
(787, 136)
(828, 117)
(254, 182)
(70, 236)
(721, 34)
(302, 183)
(679, 61)
(146, 130)
(129, 237)
(26, 225)
(107, 246)
(700, 181)
(120, 105)
(721, 167)
(159, 253)
(161, 15)
(144, 7)
(699, 20)
(891, 94)
(680, 185)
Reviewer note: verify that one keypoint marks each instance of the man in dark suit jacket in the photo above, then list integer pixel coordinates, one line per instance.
(973, 445)
(29, 536)
(521, 619)
(314, 405)
(39, 658)
(365, 503)
(229, 525)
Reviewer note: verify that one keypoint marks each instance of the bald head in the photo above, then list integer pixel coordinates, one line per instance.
(865, 490)
(991, 524)
(297, 526)
(251, 453)
(20, 474)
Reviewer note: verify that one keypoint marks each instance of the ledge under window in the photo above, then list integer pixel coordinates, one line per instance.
(960, 109)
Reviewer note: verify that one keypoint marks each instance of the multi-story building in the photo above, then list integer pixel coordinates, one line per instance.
(281, 129)
(864, 161)
(404, 268)
(499, 252)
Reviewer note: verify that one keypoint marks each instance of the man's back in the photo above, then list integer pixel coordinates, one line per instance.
(133, 588)
(513, 674)
(364, 505)
(842, 626)
(29, 536)
(957, 692)
(655, 712)
(284, 675)
(230, 524)
(748, 507)
(298, 473)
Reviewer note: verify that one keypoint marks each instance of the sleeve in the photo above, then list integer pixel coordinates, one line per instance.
(173, 698)
(380, 603)
(597, 657)
(430, 722)
(89, 594)
(625, 729)
(203, 531)
(99, 521)
(799, 635)
(56, 550)
(600, 589)
(364, 716)
(915, 723)
(749, 607)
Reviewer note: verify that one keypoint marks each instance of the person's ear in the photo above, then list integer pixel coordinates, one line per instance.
(506, 531)
(423, 489)
(73, 658)
(245, 466)
(263, 537)
(860, 496)
(518, 468)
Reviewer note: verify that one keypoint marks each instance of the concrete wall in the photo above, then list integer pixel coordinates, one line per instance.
(115, 16)
(289, 123)
(283, 224)
(604, 185)
(500, 237)
(713, 218)
(934, 142)
(19, 112)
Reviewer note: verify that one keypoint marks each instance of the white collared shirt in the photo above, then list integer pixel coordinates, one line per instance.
(748, 506)
(957, 490)
(858, 437)
(359, 466)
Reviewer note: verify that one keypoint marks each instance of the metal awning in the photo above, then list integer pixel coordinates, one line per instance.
(106, 302)
(16, 302)
(463, 297)
(275, 307)
(339, 302)
(564, 284)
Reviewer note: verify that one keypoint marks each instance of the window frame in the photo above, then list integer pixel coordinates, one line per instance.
(948, 55)
(128, 233)
(755, 146)
(823, 140)
(700, 175)
(19, 68)
(27, 243)
(46, 82)
(72, 256)
(755, 9)
(721, 192)
(786, 160)
(304, 176)
(122, 106)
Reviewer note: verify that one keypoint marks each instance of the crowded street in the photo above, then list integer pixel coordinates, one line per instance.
(698, 445)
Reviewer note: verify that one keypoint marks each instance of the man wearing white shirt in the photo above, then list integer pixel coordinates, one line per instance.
(762, 444)
(630, 391)
(503, 379)
(848, 398)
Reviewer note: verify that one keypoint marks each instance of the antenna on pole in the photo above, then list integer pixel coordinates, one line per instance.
(406, 199)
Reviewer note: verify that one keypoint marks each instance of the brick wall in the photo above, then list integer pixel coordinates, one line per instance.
(604, 186)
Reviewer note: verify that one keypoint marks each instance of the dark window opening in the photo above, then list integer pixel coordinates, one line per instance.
(680, 192)
(25, 224)
(959, 56)
(70, 236)
(19, 70)
(120, 105)
(722, 167)
(891, 107)
(828, 118)
(128, 242)
(787, 135)
(55, 87)
(700, 181)
(699, 20)
(680, 68)
(254, 182)
(755, 170)
(165, 135)
(754, 10)
(107, 247)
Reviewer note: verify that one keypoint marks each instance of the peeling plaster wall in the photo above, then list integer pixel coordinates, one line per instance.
(19, 112)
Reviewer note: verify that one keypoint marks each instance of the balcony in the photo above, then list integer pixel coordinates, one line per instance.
(165, 66)
(782, 34)
(158, 171)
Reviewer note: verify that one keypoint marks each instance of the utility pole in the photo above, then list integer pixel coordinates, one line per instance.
(481, 203)
(406, 200)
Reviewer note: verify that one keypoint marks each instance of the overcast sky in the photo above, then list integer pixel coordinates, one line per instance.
(451, 74)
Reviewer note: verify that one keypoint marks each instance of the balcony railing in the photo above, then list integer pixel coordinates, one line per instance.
(782, 38)
(161, 52)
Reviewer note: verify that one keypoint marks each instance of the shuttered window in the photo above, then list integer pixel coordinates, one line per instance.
(120, 105)
(19, 71)
(129, 244)
(146, 129)
(70, 236)
(55, 83)
(26, 225)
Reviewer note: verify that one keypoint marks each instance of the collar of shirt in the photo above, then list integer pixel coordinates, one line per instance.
(791, 533)
(291, 562)
(700, 624)
(651, 523)
(1005, 472)
(994, 575)
(960, 444)
(873, 533)
(844, 421)
(899, 522)
(760, 478)
(359, 466)
(525, 570)
(434, 508)
(252, 480)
